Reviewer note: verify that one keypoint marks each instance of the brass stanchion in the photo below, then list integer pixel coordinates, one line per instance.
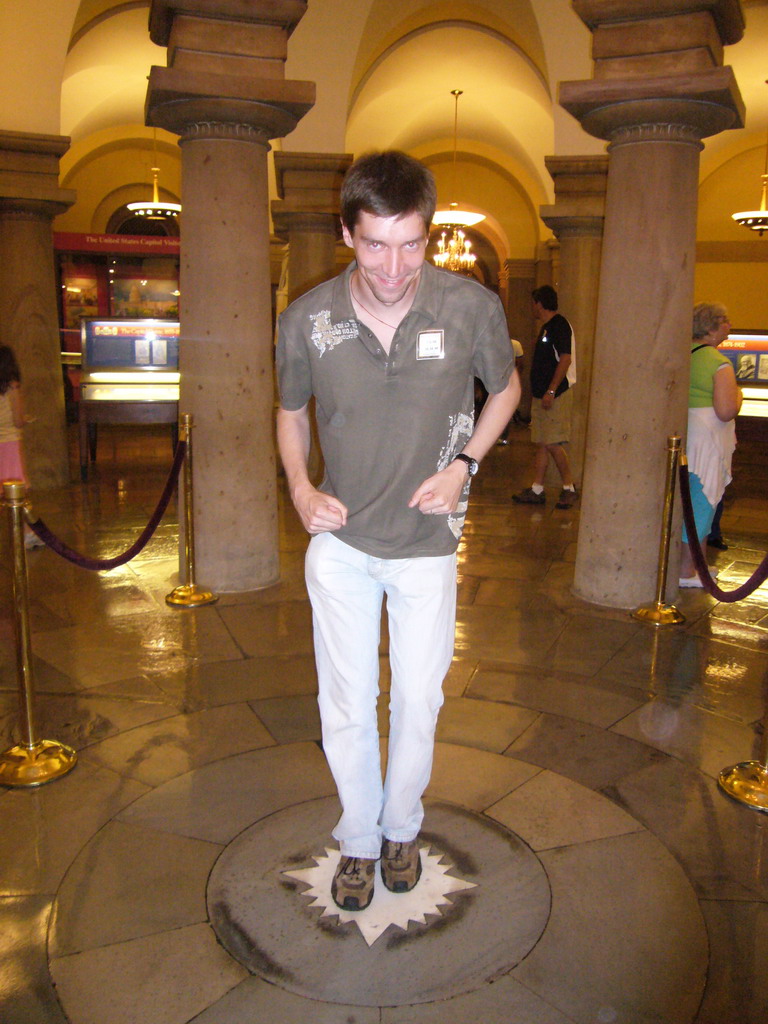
(189, 595)
(33, 761)
(659, 613)
(747, 782)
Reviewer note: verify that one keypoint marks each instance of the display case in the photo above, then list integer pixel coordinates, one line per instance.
(748, 351)
(129, 375)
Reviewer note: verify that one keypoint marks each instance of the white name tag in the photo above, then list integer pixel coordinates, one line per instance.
(430, 345)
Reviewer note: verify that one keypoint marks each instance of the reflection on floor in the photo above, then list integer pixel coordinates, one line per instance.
(574, 787)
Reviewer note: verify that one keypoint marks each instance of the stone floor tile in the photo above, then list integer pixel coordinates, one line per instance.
(289, 719)
(737, 983)
(26, 995)
(127, 882)
(493, 593)
(587, 643)
(136, 644)
(483, 724)
(474, 778)
(682, 668)
(549, 691)
(504, 1001)
(549, 811)
(230, 682)
(719, 842)
(518, 635)
(79, 719)
(582, 752)
(698, 737)
(624, 916)
(255, 1000)
(219, 800)
(43, 829)
(459, 675)
(162, 750)
(270, 630)
(166, 978)
(741, 634)
(47, 679)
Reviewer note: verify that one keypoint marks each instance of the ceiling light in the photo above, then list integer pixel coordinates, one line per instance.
(455, 254)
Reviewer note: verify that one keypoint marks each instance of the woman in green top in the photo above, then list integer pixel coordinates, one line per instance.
(714, 401)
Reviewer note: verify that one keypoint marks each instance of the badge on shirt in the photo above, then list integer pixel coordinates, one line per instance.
(430, 345)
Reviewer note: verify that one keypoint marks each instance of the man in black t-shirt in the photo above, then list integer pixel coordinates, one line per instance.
(551, 406)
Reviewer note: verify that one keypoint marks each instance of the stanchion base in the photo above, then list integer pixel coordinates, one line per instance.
(746, 782)
(658, 614)
(190, 596)
(32, 766)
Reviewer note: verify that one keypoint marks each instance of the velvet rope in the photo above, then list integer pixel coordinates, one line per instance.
(103, 564)
(728, 596)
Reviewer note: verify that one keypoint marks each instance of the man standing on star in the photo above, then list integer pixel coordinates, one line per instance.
(389, 349)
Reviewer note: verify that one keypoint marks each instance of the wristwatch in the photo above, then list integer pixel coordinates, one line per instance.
(472, 464)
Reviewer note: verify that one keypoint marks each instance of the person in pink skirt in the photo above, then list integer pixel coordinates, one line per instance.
(11, 424)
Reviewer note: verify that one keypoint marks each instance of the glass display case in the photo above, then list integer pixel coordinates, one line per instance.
(748, 351)
(130, 374)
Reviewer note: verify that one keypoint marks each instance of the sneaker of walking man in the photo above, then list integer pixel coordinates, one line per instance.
(552, 376)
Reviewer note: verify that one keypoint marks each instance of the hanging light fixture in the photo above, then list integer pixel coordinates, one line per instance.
(155, 210)
(455, 253)
(757, 220)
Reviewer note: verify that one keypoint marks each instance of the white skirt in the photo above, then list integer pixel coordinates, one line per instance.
(710, 447)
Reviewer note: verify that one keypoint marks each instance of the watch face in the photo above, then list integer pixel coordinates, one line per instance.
(472, 464)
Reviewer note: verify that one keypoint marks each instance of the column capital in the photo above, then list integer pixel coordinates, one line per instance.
(286, 222)
(285, 14)
(570, 224)
(518, 270)
(226, 66)
(178, 100)
(658, 62)
(29, 174)
(308, 185)
(580, 183)
(707, 103)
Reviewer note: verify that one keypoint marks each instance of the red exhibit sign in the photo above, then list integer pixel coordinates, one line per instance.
(139, 245)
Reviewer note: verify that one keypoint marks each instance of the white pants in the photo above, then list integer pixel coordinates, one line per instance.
(346, 588)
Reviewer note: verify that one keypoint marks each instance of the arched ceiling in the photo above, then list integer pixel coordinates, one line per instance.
(385, 70)
(105, 73)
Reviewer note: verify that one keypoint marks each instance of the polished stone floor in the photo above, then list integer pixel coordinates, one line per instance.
(600, 874)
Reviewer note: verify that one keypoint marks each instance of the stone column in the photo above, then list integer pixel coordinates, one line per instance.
(307, 215)
(225, 94)
(30, 198)
(519, 282)
(656, 94)
(577, 221)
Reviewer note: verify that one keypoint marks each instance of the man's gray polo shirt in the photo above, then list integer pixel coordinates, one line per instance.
(388, 422)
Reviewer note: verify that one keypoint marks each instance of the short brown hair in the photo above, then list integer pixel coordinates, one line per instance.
(388, 184)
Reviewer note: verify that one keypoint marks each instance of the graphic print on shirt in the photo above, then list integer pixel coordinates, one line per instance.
(460, 426)
(326, 335)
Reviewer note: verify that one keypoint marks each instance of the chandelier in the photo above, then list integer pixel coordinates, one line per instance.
(756, 220)
(155, 210)
(455, 253)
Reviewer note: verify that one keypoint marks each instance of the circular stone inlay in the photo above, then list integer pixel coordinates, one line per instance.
(261, 917)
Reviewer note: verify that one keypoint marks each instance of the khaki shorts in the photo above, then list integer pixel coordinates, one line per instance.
(552, 426)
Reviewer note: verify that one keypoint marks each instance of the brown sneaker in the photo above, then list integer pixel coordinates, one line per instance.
(529, 497)
(400, 865)
(567, 498)
(352, 885)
